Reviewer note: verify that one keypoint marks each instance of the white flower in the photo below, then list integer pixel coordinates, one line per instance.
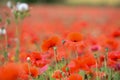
(9, 4)
(22, 7)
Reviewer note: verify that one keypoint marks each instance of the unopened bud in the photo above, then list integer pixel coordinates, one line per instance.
(28, 58)
(55, 48)
(4, 31)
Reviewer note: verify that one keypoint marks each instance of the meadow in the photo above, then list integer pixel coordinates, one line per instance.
(58, 42)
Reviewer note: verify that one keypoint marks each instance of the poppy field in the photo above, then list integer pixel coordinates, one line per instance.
(55, 42)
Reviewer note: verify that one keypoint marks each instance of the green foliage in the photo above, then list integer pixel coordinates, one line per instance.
(47, 75)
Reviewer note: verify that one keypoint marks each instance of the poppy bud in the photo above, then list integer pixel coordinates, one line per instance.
(28, 59)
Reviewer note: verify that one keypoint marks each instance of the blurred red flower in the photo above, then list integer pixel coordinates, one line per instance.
(57, 74)
(50, 43)
(75, 77)
(74, 37)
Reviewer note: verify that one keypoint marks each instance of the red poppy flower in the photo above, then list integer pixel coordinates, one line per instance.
(61, 54)
(75, 77)
(34, 71)
(50, 43)
(114, 55)
(81, 64)
(30, 70)
(23, 56)
(89, 59)
(116, 33)
(37, 59)
(73, 67)
(57, 74)
(111, 63)
(112, 44)
(10, 71)
(75, 37)
(74, 41)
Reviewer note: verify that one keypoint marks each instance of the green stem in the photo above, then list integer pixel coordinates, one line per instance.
(105, 63)
(37, 46)
(55, 52)
(29, 70)
(6, 47)
(17, 45)
(97, 71)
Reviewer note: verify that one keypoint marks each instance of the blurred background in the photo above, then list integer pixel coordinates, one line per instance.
(49, 17)
(72, 2)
